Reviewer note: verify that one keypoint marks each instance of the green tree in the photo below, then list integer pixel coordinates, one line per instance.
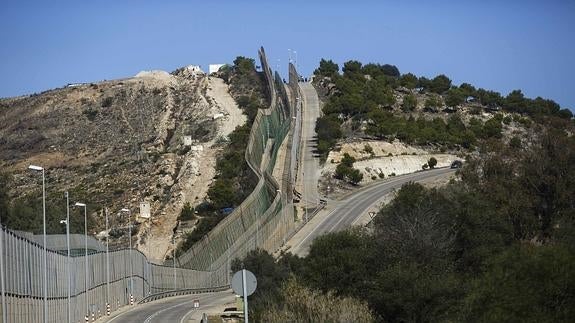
(222, 194)
(355, 176)
(409, 103)
(327, 68)
(440, 84)
(525, 284)
(468, 90)
(408, 80)
(515, 101)
(454, 97)
(351, 68)
(244, 65)
(433, 102)
(432, 162)
(187, 213)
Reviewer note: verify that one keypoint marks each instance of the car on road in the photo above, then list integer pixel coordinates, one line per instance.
(457, 164)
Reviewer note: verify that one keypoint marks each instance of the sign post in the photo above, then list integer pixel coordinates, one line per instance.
(244, 283)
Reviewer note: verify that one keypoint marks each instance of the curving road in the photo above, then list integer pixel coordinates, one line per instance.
(339, 215)
(175, 309)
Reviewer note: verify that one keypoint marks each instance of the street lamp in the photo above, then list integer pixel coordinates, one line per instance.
(296, 62)
(68, 260)
(38, 169)
(3, 295)
(85, 255)
(130, 239)
(107, 264)
(174, 259)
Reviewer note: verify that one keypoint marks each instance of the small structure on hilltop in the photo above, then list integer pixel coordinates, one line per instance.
(213, 68)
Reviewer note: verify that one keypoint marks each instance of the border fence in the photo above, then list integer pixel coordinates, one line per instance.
(78, 293)
(266, 217)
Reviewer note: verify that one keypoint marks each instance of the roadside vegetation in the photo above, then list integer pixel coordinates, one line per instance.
(498, 245)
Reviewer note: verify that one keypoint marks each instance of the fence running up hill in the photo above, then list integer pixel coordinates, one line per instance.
(266, 217)
(264, 220)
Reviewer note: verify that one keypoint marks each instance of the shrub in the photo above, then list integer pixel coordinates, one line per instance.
(187, 213)
(432, 162)
(107, 102)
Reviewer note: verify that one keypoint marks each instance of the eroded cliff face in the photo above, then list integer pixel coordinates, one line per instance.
(114, 144)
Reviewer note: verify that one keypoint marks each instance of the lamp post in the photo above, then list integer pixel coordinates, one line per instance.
(85, 255)
(68, 260)
(38, 169)
(130, 256)
(107, 263)
(295, 53)
(174, 259)
(4, 314)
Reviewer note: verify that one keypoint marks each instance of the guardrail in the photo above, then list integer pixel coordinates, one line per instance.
(181, 292)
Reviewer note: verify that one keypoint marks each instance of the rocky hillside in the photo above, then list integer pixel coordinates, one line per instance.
(115, 144)
(392, 123)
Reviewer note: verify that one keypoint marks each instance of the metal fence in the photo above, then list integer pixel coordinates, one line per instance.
(76, 288)
(266, 217)
(115, 279)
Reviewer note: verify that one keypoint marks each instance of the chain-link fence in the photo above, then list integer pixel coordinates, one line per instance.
(266, 217)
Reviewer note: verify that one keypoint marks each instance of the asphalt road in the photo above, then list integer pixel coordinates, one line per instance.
(309, 170)
(339, 215)
(174, 309)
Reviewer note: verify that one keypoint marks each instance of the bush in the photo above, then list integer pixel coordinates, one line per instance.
(432, 162)
(107, 102)
(187, 213)
(301, 304)
(409, 103)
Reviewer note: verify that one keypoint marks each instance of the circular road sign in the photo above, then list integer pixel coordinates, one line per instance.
(251, 283)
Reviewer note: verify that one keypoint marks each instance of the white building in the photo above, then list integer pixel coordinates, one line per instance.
(212, 68)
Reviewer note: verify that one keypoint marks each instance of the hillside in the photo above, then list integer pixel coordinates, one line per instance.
(151, 138)
(393, 123)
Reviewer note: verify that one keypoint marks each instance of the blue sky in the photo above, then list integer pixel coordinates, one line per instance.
(499, 45)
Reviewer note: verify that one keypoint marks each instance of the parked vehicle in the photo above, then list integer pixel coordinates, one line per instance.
(457, 164)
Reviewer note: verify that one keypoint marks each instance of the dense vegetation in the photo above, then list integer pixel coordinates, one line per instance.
(25, 212)
(234, 180)
(367, 94)
(496, 246)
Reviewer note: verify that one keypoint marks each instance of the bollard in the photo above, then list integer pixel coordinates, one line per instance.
(118, 300)
(131, 299)
(87, 318)
(107, 309)
(93, 316)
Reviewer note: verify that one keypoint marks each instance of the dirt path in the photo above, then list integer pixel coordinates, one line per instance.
(198, 166)
(233, 115)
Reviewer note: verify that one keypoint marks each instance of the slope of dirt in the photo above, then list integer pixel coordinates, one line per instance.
(196, 173)
(118, 143)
